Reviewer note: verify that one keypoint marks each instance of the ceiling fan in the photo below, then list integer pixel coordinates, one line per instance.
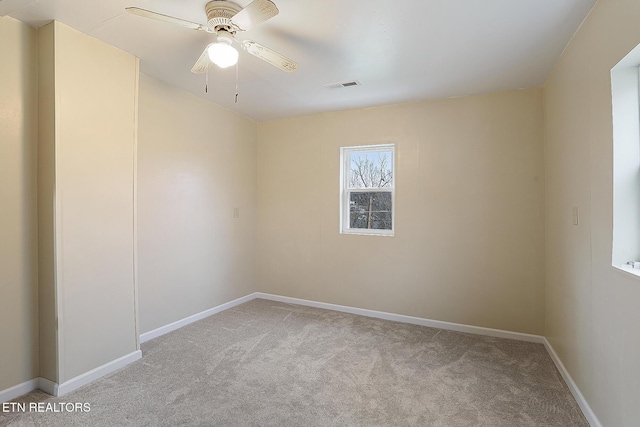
(224, 19)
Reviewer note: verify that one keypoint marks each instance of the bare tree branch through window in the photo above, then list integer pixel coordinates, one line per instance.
(371, 209)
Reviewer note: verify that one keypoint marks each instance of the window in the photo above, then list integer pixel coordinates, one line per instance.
(625, 89)
(367, 189)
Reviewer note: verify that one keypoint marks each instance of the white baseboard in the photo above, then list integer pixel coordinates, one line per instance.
(573, 387)
(48, 386)
(94, 374)
(478, 330)
(18, 390)
(55, 389)
(194, 318)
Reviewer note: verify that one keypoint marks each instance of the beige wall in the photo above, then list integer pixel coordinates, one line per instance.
(92, 146)
(18, 207)
(468, 245)
(46, 192)
(196, 163)
(592, 309)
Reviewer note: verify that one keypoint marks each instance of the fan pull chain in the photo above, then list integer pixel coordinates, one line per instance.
(236, 100)
(206, 81)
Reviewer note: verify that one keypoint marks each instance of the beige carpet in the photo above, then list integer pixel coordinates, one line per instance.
(265, 363)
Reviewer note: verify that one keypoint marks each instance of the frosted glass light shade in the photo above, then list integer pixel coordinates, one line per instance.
(222, 54)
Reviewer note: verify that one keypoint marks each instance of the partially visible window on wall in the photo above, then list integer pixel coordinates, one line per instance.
(367, 189)
(625, 89)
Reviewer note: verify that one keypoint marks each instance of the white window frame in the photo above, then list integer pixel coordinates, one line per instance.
(625, 93)
(345, 191)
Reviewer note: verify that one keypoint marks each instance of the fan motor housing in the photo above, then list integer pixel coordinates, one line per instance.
(219, 14)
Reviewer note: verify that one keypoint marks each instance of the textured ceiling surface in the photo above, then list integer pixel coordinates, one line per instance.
(400, 51)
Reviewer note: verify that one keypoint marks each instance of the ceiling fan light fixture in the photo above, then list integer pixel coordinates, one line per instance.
(222, 53)
(224, 19)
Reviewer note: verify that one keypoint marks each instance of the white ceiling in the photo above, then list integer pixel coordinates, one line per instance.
(401, 51)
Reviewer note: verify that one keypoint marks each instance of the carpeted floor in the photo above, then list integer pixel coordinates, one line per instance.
(265, 363)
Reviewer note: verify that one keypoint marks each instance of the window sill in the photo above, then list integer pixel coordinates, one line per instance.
(369, 233)
(626, 270)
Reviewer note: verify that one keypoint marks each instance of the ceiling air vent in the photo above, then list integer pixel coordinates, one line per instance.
(343, 84)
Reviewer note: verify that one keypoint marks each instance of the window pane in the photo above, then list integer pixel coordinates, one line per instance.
(370, 210)
(371, 169)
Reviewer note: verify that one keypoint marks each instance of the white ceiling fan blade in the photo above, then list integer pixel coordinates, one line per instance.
(266, 54)
(167, 18)
(203, 63)
(256, 12)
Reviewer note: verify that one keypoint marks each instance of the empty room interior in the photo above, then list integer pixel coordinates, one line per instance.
(375, 213)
